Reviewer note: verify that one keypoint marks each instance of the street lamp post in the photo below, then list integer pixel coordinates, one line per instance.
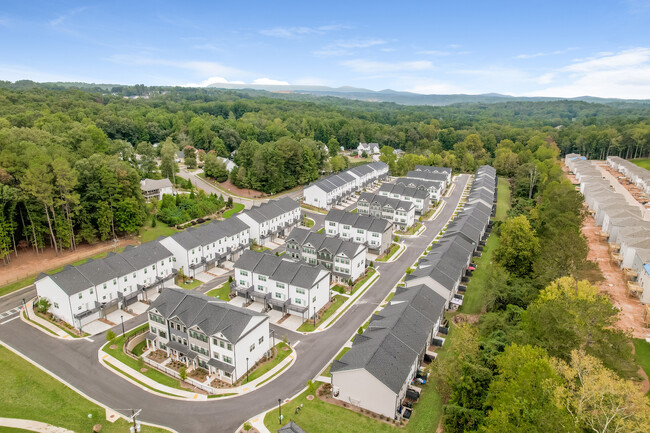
(122, 319)
(279, 411)
(273, 335)
(314, 317)
(246, 369)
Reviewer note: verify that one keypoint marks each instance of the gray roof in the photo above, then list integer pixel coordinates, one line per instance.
(153, 184)
(358, 221)
(70, 280)
(419, 183)
(433, 169)
(426, 175)
(280, 269)
(320, 242)
(210, 315)
(292, 427)
(384, 201)
(402, 190)
(272, 209)
(146, 254)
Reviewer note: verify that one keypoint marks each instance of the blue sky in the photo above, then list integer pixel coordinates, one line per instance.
(552, 48)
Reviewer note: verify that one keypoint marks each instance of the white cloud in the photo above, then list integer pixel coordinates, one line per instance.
(294, 32)
(546, 78)
(359, 43)
(270, 82)
(625, 74)
(63, 17)
(201, 68)
(345, 47)
(212, 80)
(371, 67)
(543, 53)
(435, 52)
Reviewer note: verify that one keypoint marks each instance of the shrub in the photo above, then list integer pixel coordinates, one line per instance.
(360, 330)
(154, 221)
(230, 280)
(43, 305)
(141, 362)
(183, 373)
(247, 426)
(110, 335)
(372, 264)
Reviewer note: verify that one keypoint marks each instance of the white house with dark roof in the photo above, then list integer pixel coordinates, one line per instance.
(156, 188)
(345, 259)
(207, 333)
(281, 284)
(418, 197)
(369, 148)
(81, 294)
(429, 176)
(399, 212)
(435, 188)
(271, 220)
(375, 233)
(444, 170)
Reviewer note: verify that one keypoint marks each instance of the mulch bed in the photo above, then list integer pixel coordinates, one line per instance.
(158, 355)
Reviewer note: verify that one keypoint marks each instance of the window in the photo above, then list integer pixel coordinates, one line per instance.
(243, 273)
(104, 297)
(221, 344)
(125, 279)
(91, 291)
(260, 288)
(346, 227)
(229, 347)
(134, 275)
(56, 305)
(162, 333)
(278, 295)
(261, 339)
(153, 267)
(145, 270)
(79, 307)
(80, 295)
(332, 224)
(375, 235)
(279, 285)
(242, 282)
(252, 347)
(360, 231)
(314, 299)
(227, 360)
(300, 291)
(298, 301)
(115, 281)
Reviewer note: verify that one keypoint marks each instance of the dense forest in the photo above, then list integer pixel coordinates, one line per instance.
(71, 158)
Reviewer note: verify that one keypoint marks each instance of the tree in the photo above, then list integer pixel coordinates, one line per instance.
(168, 167)
(190, 156)
(364, 154)
(43, 305)
(339, 163)
(215, 168)
(110, 335)
(519, 246)
(599, 401)
(183, 373)
(147, 163)
(229, 204)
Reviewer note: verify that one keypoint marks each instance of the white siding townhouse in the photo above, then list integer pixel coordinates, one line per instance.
(375, 233)
(430, 176)
(81, 294)
(345, 259)
(369, 148)
(207, 333)
(156, 188)
(334, 189)
(444, 170)
(270, 220)
(418, 197)
(399, 212)
(281, 284)
(433, 187)
(209, 245)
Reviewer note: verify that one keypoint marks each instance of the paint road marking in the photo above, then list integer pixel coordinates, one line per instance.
(296, 343)
(7, 321)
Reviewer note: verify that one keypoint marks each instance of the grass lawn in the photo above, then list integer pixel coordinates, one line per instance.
(355, 210)
(314, 208)
(642, 355)
(428, 214)
(363, 280)
(308, 326)
(503, 199)
(338, 356)
(308, 222)
(475, 294)
(189, 286)
(151, 373)
(268, 366)
(17, 285)
(29, 393)
(139, 348)
(388, 254)
(149, 233)
(338, 288)
(259, 248)
(644, 163)
(236, 208)
(414, 228)
(221, 292)
(322, 230)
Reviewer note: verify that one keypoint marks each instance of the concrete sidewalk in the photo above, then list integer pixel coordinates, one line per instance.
(35, 321)
(27, 424)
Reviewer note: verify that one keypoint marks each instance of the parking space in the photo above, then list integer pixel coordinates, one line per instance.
(96, 327)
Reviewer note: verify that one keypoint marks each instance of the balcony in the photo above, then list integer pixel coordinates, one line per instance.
(634, 289)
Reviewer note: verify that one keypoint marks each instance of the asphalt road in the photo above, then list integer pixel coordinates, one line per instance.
(77, 361)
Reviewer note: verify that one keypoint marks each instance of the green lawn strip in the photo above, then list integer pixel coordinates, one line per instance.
(29, 393)
(308, 222)
(221, 395)
(40, 326)
(355, 210)
(221, 292)
(149, 233)
(313, 208)
(339, 289)
(308, 326)
(17, 285)
(151, 373)
(345, 309)
(322, 230)
(642, 355)
(268, 366)
(260, 249)
(387, 255)
(474, 298)
(414, 228)
(139, 348)
(338, 356)
(362, 281)
(273, 375)
(644, 163)
(236, 208)
(136, 380)
(316, 416)
(390, 296)
(503, 199)
(191, 285)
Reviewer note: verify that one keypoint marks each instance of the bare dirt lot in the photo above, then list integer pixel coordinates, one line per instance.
(242, 192)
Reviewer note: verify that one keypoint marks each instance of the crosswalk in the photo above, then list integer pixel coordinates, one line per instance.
(9, 313)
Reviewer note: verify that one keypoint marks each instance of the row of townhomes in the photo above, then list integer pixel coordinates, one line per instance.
(346, 260)
(336, 188)
(376, 373)
(433, 187)
(281, 284)
(81, 294)
(624, 222)
(399, 212)
(375, 233)
(418, 197)
(637, 175)
(425, 172)
(205, 332)
(271, 220)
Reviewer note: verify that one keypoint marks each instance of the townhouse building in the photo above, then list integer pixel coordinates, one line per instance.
(207, 333)
(336, 188)
(399, 212)
(271, 220)
(201, 248)
(81, 294)
(430, 176)
(433, 187)
(346, 260)
(375, 233)
(418, 197)
(444, 170)
(285, 285)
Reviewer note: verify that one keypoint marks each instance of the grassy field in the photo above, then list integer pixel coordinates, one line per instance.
(118, 354)
(475, 294)
(236, 208)
(189, 286)
(17, 285)
(338, 356)
(264, 368)
(221, 292)
(642, 355)
(644, 163)
(308, 326)
(503, 199)
(308, 222)
(388, 254)
(29, 393)
(149, 233)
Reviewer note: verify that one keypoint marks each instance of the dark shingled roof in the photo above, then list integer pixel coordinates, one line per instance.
(280, 269)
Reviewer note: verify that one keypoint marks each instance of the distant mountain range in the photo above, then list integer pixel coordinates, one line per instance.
(409, 98)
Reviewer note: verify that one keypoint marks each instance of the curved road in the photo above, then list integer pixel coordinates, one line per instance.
(77, 361)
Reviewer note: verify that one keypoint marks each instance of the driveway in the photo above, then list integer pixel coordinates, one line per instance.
(77, 362)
